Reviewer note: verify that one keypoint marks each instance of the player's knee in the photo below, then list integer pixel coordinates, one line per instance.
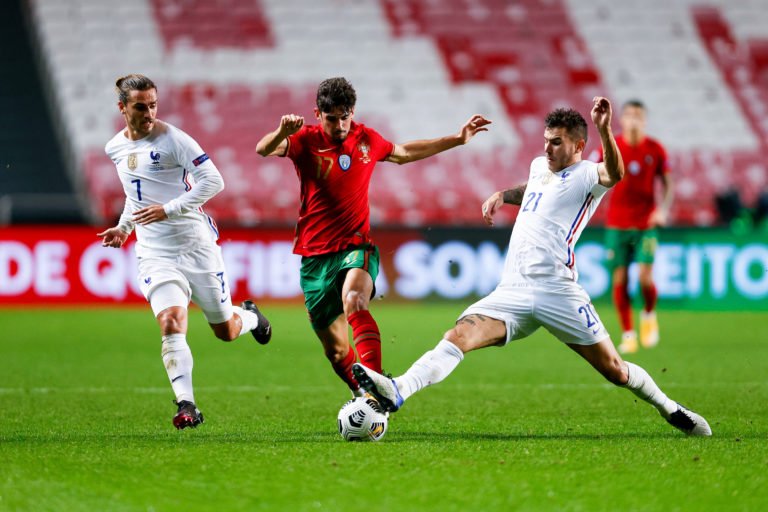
(620, 277)
(354, 301)
(460, 338)
(170, 323)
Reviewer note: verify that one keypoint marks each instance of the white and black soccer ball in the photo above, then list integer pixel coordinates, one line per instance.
(362, 419)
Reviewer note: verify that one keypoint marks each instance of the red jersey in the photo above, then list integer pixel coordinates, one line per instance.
(633, 199)
(334, 212)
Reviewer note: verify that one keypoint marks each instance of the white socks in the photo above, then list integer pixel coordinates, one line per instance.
(642, 385)
(249, 318)
(177, 359)
(430, 369)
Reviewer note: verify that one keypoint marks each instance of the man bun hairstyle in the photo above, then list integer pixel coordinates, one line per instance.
(125, 84)
(335, 93)
(567, 118)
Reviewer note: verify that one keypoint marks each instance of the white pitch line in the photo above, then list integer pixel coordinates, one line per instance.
(284, 388)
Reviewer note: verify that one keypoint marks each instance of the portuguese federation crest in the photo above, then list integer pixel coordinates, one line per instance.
(364, 149)
(344, 162)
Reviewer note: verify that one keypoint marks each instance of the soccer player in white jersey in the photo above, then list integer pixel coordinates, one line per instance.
(167, 178)
(538, 287)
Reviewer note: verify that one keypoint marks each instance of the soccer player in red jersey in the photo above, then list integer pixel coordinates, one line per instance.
(632, 220)
(334, 161)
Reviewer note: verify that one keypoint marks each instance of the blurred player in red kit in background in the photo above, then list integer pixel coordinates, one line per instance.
(632, 220)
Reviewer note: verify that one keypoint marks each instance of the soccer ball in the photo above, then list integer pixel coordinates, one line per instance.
(362, 419)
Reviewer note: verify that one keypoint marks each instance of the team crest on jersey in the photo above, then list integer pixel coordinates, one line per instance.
(155, 156)
(344, 162)
(133, 161)
(364, 149)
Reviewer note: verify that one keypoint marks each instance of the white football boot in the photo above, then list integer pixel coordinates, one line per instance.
(382, 388)
(689, 422)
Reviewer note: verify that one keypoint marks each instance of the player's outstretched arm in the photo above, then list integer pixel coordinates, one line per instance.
(276, 143)
(419, 149)
(498, 199)
(611, 169)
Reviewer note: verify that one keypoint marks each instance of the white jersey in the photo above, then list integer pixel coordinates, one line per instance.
(555, 209)
(167, 167)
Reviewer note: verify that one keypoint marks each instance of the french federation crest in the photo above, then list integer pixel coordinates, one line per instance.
(133, 161)
(344, 162)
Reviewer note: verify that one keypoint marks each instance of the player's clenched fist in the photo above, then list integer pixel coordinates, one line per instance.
(601, 112)
(290, 124)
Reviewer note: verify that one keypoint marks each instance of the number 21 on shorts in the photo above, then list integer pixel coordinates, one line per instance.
(593, 322)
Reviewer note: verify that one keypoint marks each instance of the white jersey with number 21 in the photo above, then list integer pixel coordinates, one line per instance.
(555, 209)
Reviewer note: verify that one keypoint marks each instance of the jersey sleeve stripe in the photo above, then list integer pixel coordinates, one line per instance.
(575, 228)
(185, 179)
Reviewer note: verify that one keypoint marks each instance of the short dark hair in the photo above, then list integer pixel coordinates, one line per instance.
(334, 93)
(634, 102)
(567, 118)
(126, 84)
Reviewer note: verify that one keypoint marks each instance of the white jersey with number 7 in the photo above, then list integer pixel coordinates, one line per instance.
(168, 167)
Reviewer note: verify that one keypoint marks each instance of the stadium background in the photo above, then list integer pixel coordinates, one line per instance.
(227, 70)
(84, 405)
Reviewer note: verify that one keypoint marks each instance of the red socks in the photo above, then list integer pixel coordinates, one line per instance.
(344, 369)
(649, 296)
(365, 334)
(623, 306)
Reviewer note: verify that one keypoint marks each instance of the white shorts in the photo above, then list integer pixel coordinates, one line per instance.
(563, 308)
(199, 274)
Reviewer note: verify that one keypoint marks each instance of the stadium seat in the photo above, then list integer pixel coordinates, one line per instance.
(227, 70)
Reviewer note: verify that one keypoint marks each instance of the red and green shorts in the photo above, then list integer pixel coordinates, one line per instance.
(627, 245)
(322, 278)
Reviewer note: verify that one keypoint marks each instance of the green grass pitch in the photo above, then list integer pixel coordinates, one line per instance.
(85, 420)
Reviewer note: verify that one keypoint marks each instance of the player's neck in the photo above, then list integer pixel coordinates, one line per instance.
(134, 135)
(634, 139)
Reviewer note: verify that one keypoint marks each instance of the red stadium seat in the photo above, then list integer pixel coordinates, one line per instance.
(529, 53)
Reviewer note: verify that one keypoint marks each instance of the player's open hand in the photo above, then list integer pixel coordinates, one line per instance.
(149, 214)
(113, 237)
(476, 123)
(290, 124)
(491, 206)
(601, 113)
